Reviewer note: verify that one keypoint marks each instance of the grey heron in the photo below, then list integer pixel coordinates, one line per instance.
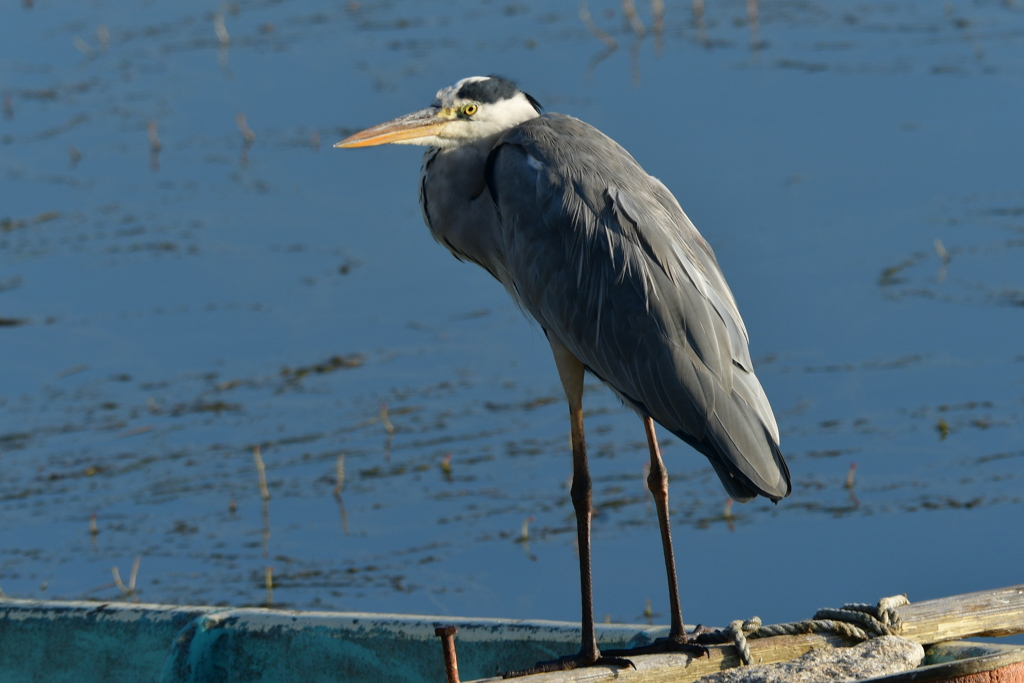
(602, 256)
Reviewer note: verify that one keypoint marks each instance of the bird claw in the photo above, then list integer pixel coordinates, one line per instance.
(569, 662)
(681, 644)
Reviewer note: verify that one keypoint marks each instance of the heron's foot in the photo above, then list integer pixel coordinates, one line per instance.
(680, 643)
(569, 662)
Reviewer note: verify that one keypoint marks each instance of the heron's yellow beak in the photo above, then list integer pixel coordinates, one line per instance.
(405, 129)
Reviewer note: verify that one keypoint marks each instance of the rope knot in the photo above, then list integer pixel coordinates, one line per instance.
(737, 632)
(871, 620)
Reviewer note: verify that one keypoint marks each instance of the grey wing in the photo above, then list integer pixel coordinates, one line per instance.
(601, 254)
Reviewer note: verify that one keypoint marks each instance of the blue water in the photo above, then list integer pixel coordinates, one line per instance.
(164, 313)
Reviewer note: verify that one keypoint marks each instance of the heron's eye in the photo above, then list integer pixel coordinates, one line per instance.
(469, 109)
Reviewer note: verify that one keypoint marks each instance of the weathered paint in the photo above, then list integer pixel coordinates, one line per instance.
(111, 642)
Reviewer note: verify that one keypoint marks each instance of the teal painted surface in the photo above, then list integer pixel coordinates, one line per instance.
(112, 642)
(81, 642)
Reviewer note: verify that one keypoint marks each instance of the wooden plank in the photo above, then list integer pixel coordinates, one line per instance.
(985, 613)
(679, 668)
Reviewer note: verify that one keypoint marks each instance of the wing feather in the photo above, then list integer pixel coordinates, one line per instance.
(601, 254)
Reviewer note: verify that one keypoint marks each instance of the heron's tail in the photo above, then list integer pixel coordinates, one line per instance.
(741, 489)
(743, 452)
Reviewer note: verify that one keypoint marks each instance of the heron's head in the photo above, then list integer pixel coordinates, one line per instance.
(473, 109)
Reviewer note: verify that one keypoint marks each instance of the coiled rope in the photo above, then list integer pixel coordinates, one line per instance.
(858, 621)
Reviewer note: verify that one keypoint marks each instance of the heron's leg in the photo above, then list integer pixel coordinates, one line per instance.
(677, 640)
(657, 482)
(570, 370)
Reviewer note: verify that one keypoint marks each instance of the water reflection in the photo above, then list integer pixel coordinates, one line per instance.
(154, 145)
(611, 45)
(339, 469)
(636, 24)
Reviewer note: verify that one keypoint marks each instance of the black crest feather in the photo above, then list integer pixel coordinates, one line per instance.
(493, 89)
